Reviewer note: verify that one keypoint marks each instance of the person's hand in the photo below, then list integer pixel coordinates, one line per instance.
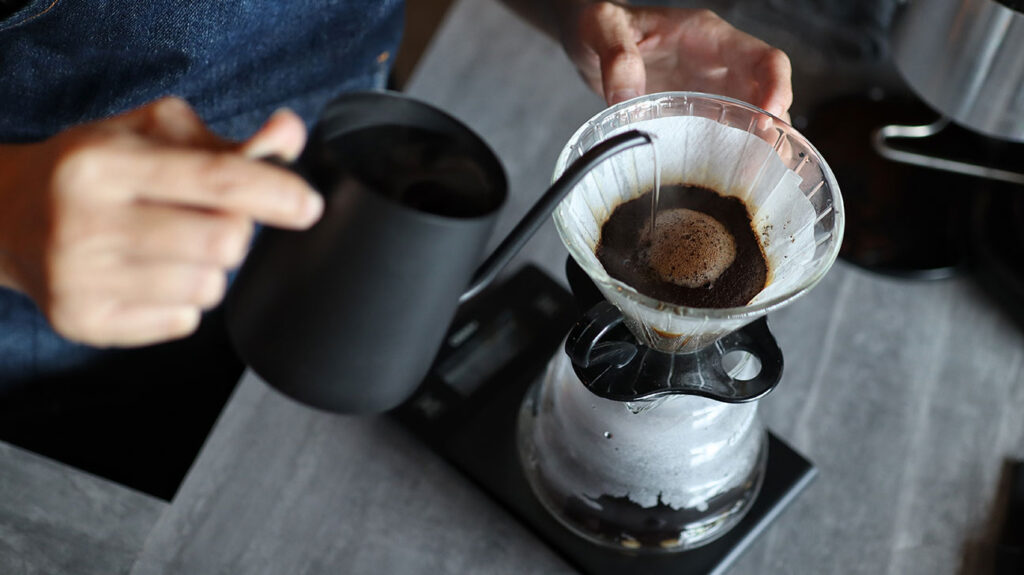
(122, 230)
(625, 51)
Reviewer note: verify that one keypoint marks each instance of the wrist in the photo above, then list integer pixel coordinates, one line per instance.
(12, 214)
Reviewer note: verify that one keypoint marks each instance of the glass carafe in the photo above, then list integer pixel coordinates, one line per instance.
(666, 474)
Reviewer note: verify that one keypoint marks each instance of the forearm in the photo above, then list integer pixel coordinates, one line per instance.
(6, 279)
(12, 212)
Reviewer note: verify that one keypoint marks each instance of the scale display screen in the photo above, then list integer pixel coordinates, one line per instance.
(482, 350)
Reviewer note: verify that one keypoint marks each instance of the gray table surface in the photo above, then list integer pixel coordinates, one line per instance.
(55, 519)
(906, 395)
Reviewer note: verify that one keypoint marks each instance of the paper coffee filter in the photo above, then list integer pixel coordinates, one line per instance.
(700, 151)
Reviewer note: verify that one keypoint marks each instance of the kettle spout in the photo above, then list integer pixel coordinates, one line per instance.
(534, 218)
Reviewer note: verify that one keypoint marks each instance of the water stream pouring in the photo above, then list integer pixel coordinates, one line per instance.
(641, 436)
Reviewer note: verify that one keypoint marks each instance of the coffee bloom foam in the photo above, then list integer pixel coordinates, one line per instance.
(690, 248)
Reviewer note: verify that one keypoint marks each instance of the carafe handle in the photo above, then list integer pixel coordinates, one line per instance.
(612, 364)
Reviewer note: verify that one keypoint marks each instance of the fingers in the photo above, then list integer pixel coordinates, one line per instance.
(164, 153)
(171, 120)
(136, 304)
(773, 74)
(653, 49)
(163, 279)
(609, 30)
(140, 216)
(226, 182)
(282, 136)
(144, 325)
(755, 71)
(164, 233)
(166, 284)
(203, 170)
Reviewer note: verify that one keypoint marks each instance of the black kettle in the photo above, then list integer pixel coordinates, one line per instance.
(348, 315)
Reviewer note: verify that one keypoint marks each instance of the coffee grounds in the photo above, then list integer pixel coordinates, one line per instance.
(622, 521)
(690, 264)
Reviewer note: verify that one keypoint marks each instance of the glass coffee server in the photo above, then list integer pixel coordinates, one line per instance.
(644, 436)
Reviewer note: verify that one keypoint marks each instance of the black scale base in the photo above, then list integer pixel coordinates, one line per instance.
(467, 409)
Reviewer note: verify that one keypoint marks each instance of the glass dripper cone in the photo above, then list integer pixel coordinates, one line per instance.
(728, 146)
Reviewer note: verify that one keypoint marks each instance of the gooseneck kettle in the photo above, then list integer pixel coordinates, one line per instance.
(348, 315)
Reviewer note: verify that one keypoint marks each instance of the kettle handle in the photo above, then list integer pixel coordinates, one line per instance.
(613, 365)
(881, 138)
(541, 210)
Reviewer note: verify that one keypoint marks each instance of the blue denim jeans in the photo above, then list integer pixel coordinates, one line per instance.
(64, 62)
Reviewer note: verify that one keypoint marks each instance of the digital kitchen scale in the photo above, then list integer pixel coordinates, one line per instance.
(466, 411)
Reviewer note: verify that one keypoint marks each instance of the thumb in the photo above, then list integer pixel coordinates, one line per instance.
(610, 32)
(282, 136)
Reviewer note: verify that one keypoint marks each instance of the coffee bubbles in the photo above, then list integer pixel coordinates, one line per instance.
(690, 248)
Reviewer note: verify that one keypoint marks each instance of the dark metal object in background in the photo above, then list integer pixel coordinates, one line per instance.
(914, 222)
(1009, 558)
(902, 220)
(963, 57)
(834, 29)
(883, 139)
(846, 30)
(997, 247)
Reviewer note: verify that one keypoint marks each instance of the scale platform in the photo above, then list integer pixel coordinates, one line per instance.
(466, 411)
